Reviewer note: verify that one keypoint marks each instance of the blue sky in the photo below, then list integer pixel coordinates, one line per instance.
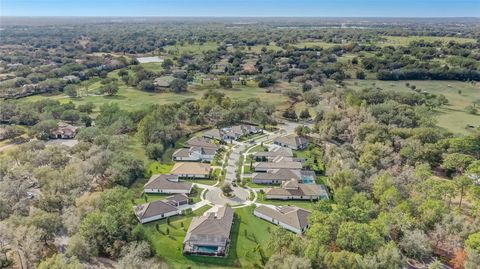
(243, 8)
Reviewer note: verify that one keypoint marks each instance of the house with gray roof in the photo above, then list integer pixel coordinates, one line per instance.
(166, 183)
(194, 154)
(272, 154)
(294, 190)
(64, 131)
(232, 132)
(160, 209)
(209, 234)
(281, 164)
(291, 141)
(277, 176)
(201, 142)
(292, 218)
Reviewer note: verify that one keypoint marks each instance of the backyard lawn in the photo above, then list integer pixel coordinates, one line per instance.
(243, 252)
(308, 205)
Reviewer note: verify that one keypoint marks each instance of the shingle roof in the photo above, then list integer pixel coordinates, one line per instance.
(278, 165)
(293, 188)
(211, 228)
(183, 168)
(153, 209)
(177, 198)
(200, 142)
(166, 181)
(291, 215)
(278, 151)
(278, 174)
(292, 139)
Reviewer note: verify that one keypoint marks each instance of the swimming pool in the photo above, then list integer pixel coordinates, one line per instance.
(207, 249)
(308, 179)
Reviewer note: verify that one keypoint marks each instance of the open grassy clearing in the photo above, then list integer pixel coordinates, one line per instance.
(246, 232)
(453, 116)
(405, 40)
(191, 48)
(130, 98)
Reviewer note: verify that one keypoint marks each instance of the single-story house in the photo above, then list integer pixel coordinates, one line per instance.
(213, 134)
(64, 131)
(275, 176)
(265, 166)
(209, 234)
(166, 184)
(293, 190)
(232, 132)
(178, 199)
(191, 170)
(292, 218)
(272, 154)
(201, 142)
(291, 141)
(155, 210)
(195, 154)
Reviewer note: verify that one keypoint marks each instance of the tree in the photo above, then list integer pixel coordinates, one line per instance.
(359, 74)
(473, 241)
(70, 90)
(461, 184)
(225, 82)
(416, 244)
(44, 129)
(79, 247)
(358, 237)
(136, 255)
(457, 162)
(278, 261)
(387, 257)
(471, 110)
(70, 116)
(227, 189)
(87, 107)
(155, 151)
(49, 223)
(146, 85)
(290, 114)
(110, 89)
(59, 261)
(305, 114)
(179, 85)
(312, 98)
(167, 64)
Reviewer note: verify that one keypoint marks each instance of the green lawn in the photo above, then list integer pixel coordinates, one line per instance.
(257, 148)
(405, 40)
(451, 117)
(159, 168)
(254, 185)
(130, 98)
(308, 205)
(243, 252)
(191, 48)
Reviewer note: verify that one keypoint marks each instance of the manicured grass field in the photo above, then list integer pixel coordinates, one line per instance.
(451, 117)
(243, 252)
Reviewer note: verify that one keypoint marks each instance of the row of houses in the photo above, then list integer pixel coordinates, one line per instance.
(231, 133)
(196, 149)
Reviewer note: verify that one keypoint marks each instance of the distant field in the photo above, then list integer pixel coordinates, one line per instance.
(130, 98)
(453, 116)
(405, 40)
(192, 48)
